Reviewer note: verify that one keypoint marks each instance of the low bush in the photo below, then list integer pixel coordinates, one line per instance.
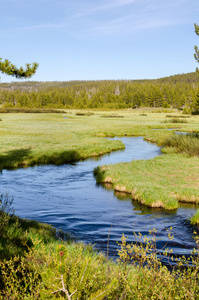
(65, 270)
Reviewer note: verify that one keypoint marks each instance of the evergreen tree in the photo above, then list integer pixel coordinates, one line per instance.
(196, 55)
(196, 105)
(8, 68)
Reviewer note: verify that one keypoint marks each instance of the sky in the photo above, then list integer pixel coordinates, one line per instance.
(99, 39)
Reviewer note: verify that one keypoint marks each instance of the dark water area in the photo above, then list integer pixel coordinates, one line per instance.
(68, 197)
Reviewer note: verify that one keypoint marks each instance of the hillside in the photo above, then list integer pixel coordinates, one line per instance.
(176, 91)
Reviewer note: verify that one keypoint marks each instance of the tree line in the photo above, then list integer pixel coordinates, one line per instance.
(179, 91)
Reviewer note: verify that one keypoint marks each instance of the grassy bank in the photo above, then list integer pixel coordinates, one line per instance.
(159, 182)
(50, 268)
(30, 139)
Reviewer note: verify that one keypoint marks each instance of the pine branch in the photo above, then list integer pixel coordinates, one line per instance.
(8, 68)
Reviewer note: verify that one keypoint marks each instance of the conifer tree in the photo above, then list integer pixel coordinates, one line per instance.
(8, 68)
(196, 54)
(196, 105)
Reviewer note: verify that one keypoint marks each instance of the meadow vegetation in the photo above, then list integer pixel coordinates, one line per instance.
(36, 264)
(159, 182)
(45, 266)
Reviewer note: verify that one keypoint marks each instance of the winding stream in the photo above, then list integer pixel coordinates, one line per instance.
(68, 197)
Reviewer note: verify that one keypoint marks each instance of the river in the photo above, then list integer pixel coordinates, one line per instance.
(68, 197)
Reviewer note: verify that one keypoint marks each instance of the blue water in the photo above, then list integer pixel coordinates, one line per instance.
(68, 197)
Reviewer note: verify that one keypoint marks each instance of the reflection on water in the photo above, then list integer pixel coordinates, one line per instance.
(68, 197)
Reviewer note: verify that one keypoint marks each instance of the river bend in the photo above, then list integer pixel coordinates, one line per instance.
(68, 197)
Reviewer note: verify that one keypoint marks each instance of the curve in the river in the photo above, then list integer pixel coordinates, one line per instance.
(68, 197)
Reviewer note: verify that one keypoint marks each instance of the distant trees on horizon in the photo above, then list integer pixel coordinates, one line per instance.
(175, 91)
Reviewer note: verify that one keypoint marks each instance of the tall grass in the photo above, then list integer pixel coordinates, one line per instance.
(5, 110)
(175, 120)
(188, 143)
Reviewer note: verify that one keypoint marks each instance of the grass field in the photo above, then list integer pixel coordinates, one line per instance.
(29, 139)
(34, 264)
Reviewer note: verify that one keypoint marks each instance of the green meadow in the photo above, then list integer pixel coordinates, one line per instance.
(36, 262)
(27, 139)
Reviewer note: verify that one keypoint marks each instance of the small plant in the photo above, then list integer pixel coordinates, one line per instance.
(152, 279)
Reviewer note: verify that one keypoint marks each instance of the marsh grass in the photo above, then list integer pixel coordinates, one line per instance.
(195, 218)
(177, 116)
(31, 110)
(112, 116)
(188, 143)
(175, 120)
(159, 182)
(84, 114)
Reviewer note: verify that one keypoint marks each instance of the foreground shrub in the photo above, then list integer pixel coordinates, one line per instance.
(67, 270)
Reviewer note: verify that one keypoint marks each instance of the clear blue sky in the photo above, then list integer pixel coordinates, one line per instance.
(99, 39)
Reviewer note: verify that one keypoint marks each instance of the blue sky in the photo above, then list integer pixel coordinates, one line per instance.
(99, 39)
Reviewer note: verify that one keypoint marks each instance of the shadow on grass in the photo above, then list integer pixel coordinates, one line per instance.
(20, 158)
(14, 158)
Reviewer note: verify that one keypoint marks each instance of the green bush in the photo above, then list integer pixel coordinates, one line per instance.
(68, 270)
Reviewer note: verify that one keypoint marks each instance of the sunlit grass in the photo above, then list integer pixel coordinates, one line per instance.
(159, 182)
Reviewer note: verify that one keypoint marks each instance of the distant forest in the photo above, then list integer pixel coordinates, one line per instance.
(178, 91)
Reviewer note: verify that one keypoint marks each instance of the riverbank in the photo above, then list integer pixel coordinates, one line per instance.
(43, 266)
(160, 182)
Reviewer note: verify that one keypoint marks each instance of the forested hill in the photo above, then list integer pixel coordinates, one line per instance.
(174, 91)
